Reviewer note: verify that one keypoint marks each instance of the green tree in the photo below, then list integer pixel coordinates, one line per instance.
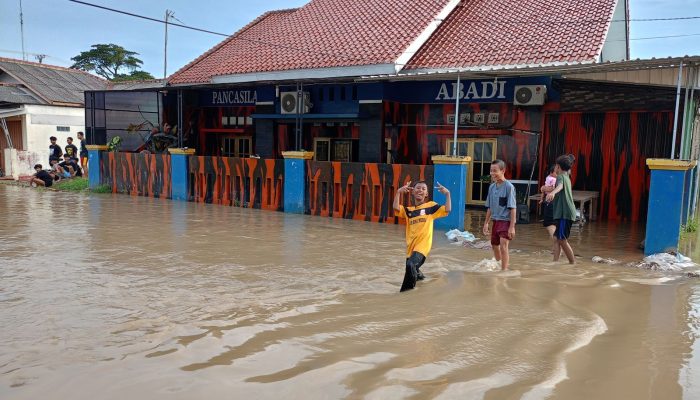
(106, 60)
(133, 76)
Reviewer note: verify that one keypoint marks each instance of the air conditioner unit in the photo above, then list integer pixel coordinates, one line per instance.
(530, 95)
(289, 103)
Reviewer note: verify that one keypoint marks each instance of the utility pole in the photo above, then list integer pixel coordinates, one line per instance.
(168, 14)
(21, 27)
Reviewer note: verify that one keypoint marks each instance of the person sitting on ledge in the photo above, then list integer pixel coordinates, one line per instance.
(71, 166)
(42, 177)
(58, 171)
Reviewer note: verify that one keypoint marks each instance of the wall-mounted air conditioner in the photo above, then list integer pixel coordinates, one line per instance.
(289, 103)
(530, 95)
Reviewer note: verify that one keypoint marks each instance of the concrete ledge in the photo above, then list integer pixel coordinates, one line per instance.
(98, 147)
(451, 160)
(671, 165)
(187, 152)
(304, 155)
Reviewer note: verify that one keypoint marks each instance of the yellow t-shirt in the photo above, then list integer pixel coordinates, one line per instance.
(419, 226)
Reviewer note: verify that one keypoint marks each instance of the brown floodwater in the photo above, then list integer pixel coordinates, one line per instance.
(114, 297)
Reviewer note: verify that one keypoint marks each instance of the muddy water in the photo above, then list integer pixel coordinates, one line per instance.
(115, 297)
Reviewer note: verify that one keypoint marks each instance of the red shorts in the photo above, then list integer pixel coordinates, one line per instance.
(83, 161)
(498, 231)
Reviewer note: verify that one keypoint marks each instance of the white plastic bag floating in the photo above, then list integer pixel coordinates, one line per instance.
(601, 260)
(455, 235)
(666, 262)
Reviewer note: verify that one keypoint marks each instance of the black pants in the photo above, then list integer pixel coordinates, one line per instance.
(413, 263)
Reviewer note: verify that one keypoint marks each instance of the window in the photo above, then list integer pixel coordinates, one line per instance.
(244, 147)
(228, 148)
(354, 92)
(236, 147)
(342, 92)
(63, 129)
(342, 150)
(320, 94)
(322, 147)
(331, 94)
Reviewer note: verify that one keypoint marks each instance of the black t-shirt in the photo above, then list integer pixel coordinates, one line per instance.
(76, 168)
(72, 150)
(46, 177)
(83, 149)
(55, 152)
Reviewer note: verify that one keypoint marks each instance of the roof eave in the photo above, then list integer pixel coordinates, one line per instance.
(311, 73)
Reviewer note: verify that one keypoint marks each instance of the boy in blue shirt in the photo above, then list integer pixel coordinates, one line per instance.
(501, 210)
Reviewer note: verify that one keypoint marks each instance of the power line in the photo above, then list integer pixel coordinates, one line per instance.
(256, 41)
(35, 55)
(665, 37)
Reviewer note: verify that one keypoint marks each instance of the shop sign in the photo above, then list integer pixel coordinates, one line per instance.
(500, 90)
(235, 96)
(229, 97)
(474, 90)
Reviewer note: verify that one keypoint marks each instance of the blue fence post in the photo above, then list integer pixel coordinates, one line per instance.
(94, 170)
(180, 173)
(295, 180)
(667, 202)
(451, 172)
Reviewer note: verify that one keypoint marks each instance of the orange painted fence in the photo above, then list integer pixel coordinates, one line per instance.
(137, 174)
(362, 191)
(241, 182)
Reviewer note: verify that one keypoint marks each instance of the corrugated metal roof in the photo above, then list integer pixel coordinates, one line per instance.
(53, 84)
(17, 95)
(136, 85)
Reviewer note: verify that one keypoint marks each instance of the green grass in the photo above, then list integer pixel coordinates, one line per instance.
(690, 227)
(71, 185)
(102, 189)
(79, 185)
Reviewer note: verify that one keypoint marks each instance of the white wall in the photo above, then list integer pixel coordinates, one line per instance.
(20, 163)
(615, 46)
(41, 123)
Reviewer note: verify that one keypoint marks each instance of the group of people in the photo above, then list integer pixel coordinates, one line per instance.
(557, 196)
(63, 165)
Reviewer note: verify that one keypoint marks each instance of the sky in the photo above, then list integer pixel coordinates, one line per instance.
(61, 29)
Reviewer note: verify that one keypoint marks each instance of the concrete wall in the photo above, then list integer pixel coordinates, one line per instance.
(615, 46)
(41, 123)
(19, 163)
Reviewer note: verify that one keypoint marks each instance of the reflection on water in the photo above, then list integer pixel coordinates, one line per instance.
(116, 297)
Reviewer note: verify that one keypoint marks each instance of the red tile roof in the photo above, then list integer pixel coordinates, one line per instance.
(517, 32)
(321, 34)
(342, 33)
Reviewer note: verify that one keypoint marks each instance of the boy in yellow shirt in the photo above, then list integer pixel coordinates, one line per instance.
(419, 227)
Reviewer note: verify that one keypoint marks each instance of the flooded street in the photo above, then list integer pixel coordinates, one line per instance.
(115, 297)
